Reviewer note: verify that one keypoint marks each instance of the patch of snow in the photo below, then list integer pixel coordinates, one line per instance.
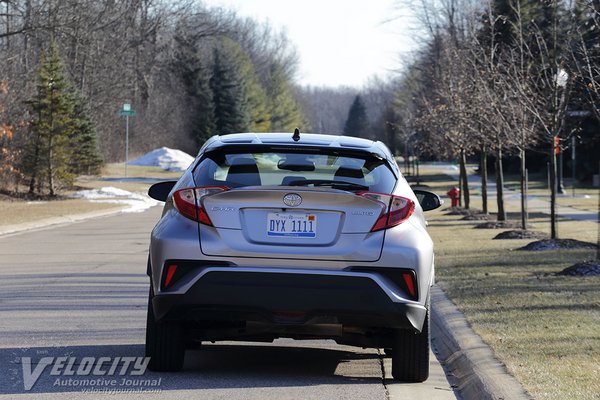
(137, 202)
(36, 202)
(102, 193)
(165, 158)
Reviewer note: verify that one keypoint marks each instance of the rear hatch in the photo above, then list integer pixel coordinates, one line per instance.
(315, 224)
(297, 201)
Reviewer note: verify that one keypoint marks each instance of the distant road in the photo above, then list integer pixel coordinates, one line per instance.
(80, 290)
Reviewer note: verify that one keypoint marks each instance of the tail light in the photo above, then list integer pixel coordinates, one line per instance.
(396, 210)
(189, 202)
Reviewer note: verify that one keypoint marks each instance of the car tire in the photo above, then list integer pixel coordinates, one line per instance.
(164, 343)
(410, 354)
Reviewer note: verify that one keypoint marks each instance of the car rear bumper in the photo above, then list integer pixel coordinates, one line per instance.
(283, 298)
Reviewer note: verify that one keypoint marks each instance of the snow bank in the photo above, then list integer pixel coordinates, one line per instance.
(136, 202)
(167, 159)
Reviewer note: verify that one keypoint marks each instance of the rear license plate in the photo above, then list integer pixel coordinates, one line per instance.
(292, 225)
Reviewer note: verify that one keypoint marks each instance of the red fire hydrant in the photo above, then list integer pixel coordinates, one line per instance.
(454, 195)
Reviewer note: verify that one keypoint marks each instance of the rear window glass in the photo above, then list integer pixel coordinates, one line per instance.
(287, 168)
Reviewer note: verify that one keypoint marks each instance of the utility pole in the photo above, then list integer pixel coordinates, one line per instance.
(127, 112)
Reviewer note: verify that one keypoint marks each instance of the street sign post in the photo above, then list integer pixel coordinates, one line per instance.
(573, 142)
(126, 112)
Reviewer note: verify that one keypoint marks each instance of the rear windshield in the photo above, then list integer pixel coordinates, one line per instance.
(294, 168)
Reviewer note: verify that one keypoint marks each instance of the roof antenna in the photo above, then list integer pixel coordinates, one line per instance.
(296, 136)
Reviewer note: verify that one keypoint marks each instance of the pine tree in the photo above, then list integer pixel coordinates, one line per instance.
(195, 74)
(239, 99)
(357, 123)
(285, 111)
(255, 98)
(231, 115)
(83, 144)
(53, 124)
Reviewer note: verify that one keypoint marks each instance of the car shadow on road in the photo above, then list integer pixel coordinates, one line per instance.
(213, 366)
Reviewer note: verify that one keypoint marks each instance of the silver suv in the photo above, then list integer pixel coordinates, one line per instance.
(307, 236)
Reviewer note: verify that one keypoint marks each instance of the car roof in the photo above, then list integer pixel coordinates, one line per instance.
(306, 139)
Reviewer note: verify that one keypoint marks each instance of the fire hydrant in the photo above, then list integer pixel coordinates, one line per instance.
(454, 195)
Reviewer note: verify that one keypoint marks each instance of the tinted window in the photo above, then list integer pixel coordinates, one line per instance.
(283, 168)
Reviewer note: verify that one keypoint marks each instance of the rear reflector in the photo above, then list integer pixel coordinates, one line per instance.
(171, 269)
(174, 271)
(409, 281)
(404, 279)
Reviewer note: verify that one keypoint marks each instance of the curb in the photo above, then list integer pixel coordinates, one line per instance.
(470, 364)
(16, 229)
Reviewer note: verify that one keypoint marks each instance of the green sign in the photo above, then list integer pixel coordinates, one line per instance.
(126, 111)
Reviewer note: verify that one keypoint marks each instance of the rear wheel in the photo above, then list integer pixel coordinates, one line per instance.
(410, 354)
(164, 343)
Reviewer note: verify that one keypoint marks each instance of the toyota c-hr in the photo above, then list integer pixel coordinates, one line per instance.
(300, 236)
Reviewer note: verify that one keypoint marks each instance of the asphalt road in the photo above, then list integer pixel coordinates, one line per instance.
(80, 290)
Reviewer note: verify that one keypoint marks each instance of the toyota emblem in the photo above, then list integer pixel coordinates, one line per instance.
(292, 199)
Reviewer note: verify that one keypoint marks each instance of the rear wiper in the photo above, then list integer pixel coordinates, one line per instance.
(343, 185)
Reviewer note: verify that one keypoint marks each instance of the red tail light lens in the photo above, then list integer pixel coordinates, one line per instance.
(396, 209)
(189, 202)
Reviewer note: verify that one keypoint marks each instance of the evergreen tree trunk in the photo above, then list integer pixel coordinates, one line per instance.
(34, 167)
(484, 179)
(36, 155)
(50, 170)
(553, 225)
(465, 178)
(523, 192)
(50, 145)
(500, 186)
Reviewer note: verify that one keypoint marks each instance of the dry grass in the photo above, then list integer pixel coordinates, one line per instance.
(545, 328)
(16, 211)
(114, 175)
(586, 204)
(117, 170)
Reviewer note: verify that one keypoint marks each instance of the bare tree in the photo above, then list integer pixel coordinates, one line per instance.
(546, 96)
